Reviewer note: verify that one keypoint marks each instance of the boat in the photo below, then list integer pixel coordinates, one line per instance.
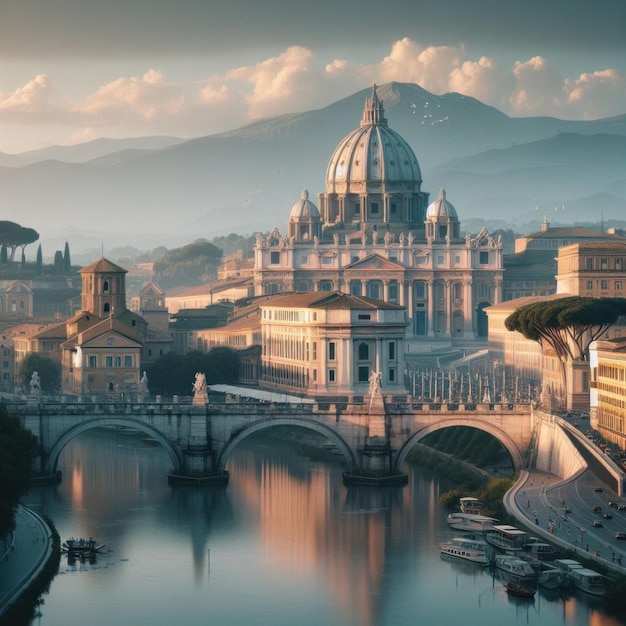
(470, 505)
(518, 590)
(548, 576)
(81, 548)
(509, 539)
(515, 568)
(539, 550)
(468, 549)
(471, 522)
(588, 580)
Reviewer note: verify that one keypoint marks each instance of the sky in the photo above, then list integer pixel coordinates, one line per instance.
(75, 70)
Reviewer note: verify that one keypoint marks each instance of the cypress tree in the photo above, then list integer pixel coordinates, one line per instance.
(39, 268)
(67, 263)
(58, 262)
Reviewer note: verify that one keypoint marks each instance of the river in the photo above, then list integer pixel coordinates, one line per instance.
(285, 543)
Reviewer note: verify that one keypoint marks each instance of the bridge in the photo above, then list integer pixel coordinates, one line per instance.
(373, 438)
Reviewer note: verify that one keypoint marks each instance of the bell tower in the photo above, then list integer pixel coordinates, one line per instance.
(103, 288)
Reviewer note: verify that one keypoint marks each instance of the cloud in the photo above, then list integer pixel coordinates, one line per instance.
(293, 80)
(598, 94)
(286, 83)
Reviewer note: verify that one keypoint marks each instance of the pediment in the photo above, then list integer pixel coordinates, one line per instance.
(110, 340)
(375, 262)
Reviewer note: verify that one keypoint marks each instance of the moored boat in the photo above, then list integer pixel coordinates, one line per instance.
(588, 580)
(81, 547)
(508, 538)
(518, 590)
(516, 569)
(474, 550)
(470, 522)
(471, 505)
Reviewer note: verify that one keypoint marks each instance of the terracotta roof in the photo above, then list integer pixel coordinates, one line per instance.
(570, 231)
(102, 266)
(614, 246)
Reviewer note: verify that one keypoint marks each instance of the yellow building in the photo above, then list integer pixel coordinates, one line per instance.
(608, 389)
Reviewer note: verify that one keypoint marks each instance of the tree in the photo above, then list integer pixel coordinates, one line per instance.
(190, 265)
(58, 262)
(67, 261)
(49, 372)
(567, 325)
(174, 373)
(13, 235)
(17, 451)
(39, 269)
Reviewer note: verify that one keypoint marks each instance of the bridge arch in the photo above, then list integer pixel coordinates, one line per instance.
(227, 450)
(511, 447)
(72, 433)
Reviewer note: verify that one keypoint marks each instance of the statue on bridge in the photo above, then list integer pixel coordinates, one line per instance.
(143, 386)
(35, 384)
(200, 392)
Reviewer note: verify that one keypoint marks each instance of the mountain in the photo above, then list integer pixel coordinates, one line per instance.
(247, 179)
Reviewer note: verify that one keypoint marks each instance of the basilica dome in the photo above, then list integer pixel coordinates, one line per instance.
(441, 208)
(304, 208)
(373, 155)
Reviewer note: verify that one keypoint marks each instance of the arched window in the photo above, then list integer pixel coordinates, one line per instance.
(105, 286)
(364, 352)
(107, 308)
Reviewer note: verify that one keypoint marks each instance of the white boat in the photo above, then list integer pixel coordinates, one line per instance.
(507, 538)
(474, 550)
(549, 576)
(470, 522)
(540, 550)
(471, 505)
(587, 580)
(516, 569)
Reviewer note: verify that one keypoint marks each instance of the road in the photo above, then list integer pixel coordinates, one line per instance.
(562, 511)
(23, 556)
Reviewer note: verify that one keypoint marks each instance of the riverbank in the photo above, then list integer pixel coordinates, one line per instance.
(29, 563)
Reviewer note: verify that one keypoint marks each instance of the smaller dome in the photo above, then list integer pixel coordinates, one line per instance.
(304, 208)
(441, 208)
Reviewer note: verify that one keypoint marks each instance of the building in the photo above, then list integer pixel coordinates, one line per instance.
(326, 345)
(376, 235)
(608, 389)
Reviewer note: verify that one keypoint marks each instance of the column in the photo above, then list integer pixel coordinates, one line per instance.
(468, 307)
(431, 308)
(497, 290)
(386, 290)
(448, 305)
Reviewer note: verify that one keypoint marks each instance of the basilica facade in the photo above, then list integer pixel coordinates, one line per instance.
(375, 233)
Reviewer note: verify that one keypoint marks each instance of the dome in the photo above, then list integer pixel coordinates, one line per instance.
(441, 208)
(373, 155)
(304, 208)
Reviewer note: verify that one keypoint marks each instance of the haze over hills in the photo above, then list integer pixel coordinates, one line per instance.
(165, 191)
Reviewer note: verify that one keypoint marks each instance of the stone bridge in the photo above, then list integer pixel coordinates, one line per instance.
(374, 440)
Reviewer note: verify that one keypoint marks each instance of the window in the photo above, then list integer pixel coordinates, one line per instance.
(364, 374)
(392, 350)
(420, 291)
(118, 361)
(440, 259)
(357, 208)
(604, 284)
(105, 287)
(108, 361)
(365, 316)
(93, 360)
(128, 360)
(364, 352)
(483, 258)
(589, 285)
(274, 258)
(327, 260)
(374, 208)
(315, 350)
(331, 375)
(589, 264)
(392, 208)
(618, 285)
(107, 308)
(392, 375)
(331, 351)
(326, 285)
(393, 293)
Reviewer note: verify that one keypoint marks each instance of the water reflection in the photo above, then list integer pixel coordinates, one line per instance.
(284, 539)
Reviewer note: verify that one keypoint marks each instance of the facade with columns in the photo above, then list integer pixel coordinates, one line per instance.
(376, 235)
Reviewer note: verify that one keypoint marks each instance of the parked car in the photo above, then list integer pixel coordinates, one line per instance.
(621, 507)
(612, 504)
(607, 516)
(620, 535)
(597, 523)
(597, 509)
(598, 489)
